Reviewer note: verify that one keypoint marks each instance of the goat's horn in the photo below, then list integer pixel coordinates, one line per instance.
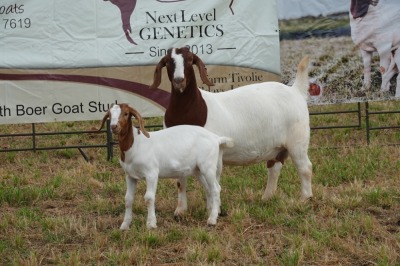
(202, 69)
(107, 115)
(140, 120)
(157, 74)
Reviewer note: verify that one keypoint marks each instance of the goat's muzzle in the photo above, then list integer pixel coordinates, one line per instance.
(179, 84)
(115, 129)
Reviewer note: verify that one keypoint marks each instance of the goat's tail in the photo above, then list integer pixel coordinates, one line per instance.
(301, 82)
(226, 142)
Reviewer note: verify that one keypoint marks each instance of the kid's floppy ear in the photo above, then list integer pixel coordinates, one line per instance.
(107, 115)
(140, 120)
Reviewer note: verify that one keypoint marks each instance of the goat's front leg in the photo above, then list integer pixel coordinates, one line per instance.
(182, 197)
(367, 58)
(150, 198)
(129, 197)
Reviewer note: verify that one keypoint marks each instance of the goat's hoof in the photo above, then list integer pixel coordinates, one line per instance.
(151, 226)
(179, 212)
(124, 227)
(267, 197)
(211, 222)
(306, 198)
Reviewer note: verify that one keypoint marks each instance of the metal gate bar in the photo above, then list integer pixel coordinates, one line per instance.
(369, 128)
(358, 111)
(34, 147)
(110, 142)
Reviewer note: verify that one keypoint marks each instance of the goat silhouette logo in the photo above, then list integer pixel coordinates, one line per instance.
(126, 7)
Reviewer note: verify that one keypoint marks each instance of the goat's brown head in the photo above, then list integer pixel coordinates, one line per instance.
(179, 63)
(120, 119)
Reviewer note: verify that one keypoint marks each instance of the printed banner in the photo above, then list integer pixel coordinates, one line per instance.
(354, 48)
(67, 60)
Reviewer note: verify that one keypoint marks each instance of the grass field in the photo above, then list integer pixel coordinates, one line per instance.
(55, 208)
(58, 209)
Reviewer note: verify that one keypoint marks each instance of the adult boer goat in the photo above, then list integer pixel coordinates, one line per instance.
(174, 152)
(375, 27)
(268, 121)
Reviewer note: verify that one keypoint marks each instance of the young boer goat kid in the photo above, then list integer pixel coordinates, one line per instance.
(170, 153)
(267, 121)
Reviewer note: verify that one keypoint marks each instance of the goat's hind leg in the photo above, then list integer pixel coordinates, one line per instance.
(274, 170)
(221, 212)
(304, 170)
(205, 184)
(129, 197)
(387, 66)
(213, 190)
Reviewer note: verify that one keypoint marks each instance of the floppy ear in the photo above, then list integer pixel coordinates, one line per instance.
(157, 74)
(107, 115)
(136, 114)
(202, 69)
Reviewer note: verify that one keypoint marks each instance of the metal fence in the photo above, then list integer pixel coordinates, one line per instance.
(109, 143)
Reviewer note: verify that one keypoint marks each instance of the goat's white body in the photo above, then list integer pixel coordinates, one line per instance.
(261, 118)
(176, 152)
(267, 121)
(379, 31)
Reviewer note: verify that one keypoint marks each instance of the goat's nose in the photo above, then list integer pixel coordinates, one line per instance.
(178, 80)
(113, 127)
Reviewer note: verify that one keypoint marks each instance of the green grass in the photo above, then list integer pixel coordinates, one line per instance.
(311, 23)
(58, 209)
